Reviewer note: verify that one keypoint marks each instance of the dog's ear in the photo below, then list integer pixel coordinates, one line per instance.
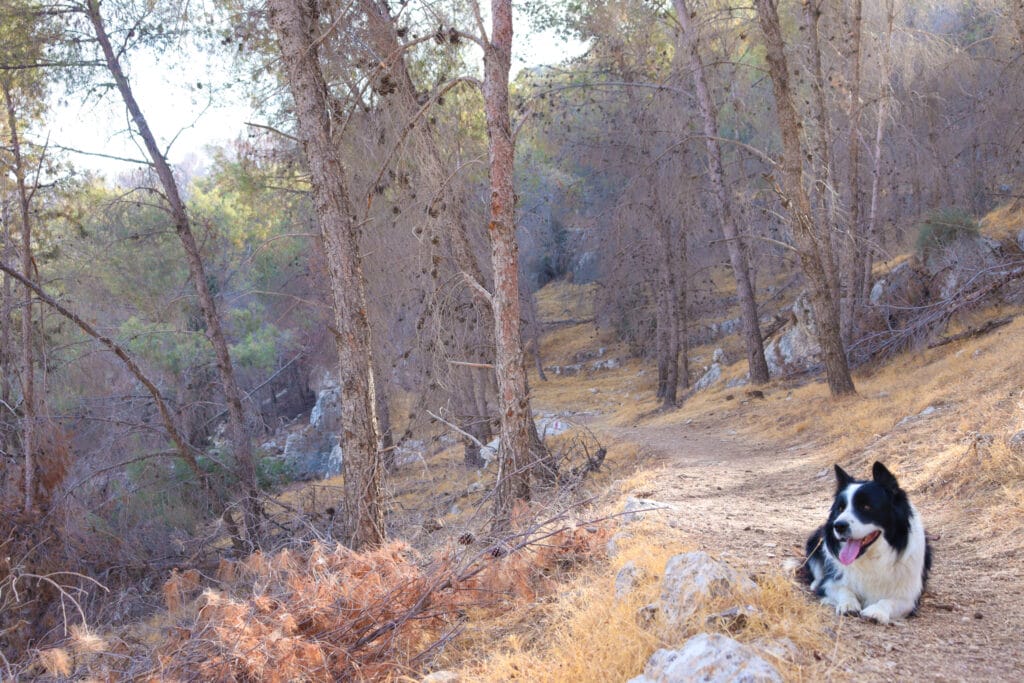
(842, 478)
(884, 478)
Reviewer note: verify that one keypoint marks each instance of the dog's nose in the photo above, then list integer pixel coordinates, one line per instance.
(841, 527)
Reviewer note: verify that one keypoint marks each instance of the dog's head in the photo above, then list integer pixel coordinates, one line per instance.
(865, 511)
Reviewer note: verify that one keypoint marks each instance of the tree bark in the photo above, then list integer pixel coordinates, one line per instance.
(28, 393)
(513, 400)
(824, 182)
(876, 164)
(806, 233)
(668, 322)
(736, 247)
(382, 405)
(472, 418)
(296, 23)
(853, 253)
(7, 297)
(239, 435)
(533, 321)
(681, 317)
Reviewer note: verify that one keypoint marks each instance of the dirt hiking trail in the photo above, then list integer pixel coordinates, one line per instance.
(753, 504)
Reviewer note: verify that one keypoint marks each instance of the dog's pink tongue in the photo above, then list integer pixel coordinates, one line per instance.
(850, 550)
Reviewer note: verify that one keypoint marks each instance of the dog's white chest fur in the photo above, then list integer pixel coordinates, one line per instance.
(882, 573)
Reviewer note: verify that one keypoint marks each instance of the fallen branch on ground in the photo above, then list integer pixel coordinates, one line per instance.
(973, 332)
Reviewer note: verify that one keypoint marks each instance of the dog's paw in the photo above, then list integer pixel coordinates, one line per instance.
(844, 604)
(879, 612)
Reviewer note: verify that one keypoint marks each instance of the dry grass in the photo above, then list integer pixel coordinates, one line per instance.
(587, 634)
(565, 301)
(970, 383)
(327, 613)
(1004, 222)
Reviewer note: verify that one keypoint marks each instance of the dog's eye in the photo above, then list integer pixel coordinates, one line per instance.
(865, 506)
(842, 506)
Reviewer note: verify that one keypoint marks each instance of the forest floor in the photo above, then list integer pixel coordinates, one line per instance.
(752, 502)
(747, 478)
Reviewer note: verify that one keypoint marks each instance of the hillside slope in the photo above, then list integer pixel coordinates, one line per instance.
(749, 476)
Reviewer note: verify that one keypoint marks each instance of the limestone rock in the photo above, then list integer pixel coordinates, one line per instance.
(713, 374)
(796, 348)
(1016, 443)
(607, 364)
(708, 658)
(691, 579)
(635, 508)
(627, 579)
(612, 547)
(314, 450)
(442, 677)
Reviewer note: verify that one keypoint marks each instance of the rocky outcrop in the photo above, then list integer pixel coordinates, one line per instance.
(708, 658)
(691, 580)
(795, 348)
(627, 579)
(713, 373)
(314, 450)
(709, 378)
(579, 364)
(547, 425)
(961, 263)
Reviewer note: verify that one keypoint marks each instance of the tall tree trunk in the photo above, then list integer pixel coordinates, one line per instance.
(876, 162)
(852, 255)
(296, 23)
(668, 322)
(468, 413)
(806, 233)
(240, 439)
(681, 317)
(7, 361)
(824, 182)
(517, 442)
(736, 247)
(382, 406)
(533, 321)
(28, 392)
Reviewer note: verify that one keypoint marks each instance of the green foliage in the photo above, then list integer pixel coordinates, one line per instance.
(944, 227)
(161, 344)
(271, 472)
(258, 340)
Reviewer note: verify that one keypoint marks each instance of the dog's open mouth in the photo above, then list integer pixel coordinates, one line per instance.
(855, 547)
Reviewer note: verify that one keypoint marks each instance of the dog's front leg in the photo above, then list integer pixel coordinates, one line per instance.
(884, 611)
(842, 599)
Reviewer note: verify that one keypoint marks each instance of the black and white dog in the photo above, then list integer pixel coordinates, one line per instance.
(871, 556)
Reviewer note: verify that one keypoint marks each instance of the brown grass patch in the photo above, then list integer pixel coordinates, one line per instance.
(1004, 222)
(562, 300)
(586, 634)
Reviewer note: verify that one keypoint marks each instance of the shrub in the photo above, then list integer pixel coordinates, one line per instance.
(944, 227)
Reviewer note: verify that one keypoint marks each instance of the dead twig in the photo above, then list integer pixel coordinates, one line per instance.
(973, 332)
